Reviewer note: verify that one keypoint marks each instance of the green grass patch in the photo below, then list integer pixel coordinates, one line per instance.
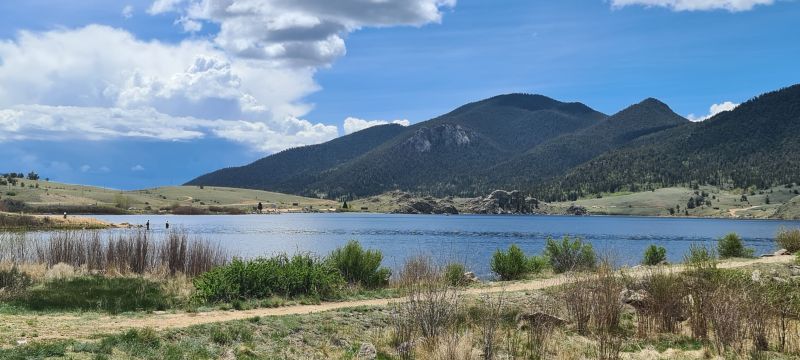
(113, 295)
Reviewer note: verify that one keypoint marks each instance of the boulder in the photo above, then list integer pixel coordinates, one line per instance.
(577, 210)
(367, 351)
(634, 298)
(471, 278)
(794, 270)
(782, 252)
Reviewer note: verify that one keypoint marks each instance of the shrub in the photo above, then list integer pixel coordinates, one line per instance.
(731, 246)
(789, 239)
(13, 281)
(654, 255)
(262, 278)
(569, 255)
(454, 274)
(359, 266)
(510, 265)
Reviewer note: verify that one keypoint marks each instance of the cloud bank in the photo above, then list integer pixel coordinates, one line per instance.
(352, 124)
(695, 5)
(713, 110)
(246, 83)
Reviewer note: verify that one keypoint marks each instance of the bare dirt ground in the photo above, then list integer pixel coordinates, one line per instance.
(42, 327)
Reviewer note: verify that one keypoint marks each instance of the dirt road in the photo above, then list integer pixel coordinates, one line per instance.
(85, 326)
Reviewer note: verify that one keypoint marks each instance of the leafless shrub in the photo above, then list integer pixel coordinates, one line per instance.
(607, 312)
(492, 306)
(454, 346)
(429, 307)
(663, 308)
(727, 317)
(577, 299)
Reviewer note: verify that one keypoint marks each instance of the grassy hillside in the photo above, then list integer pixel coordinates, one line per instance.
(53, 196)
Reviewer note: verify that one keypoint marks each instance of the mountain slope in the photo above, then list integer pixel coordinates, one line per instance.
(756, 144)
(436, 156)
(556, 156)
(290, 169)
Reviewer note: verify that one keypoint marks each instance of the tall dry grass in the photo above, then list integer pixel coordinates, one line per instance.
(134, 252)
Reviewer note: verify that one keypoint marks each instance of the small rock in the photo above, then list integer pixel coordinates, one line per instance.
(756, 276)
(470, 278)
(22, 342)
(367, 352)
(782, 252)
(794, 270)
(780, 280)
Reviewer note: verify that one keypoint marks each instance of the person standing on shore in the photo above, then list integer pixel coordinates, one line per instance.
(260, 207)
(167, 224)
(147, 225)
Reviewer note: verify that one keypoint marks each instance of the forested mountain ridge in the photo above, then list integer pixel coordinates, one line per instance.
(547, 149)
(436, 156)
(756, 144)
(556, 156)
(289, 169)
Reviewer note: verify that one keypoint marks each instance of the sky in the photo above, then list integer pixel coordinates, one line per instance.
(142, 93)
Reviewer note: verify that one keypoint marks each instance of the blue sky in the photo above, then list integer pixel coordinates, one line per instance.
(142, 93)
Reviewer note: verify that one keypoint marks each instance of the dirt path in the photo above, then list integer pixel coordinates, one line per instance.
(733, 212)
(85, 326)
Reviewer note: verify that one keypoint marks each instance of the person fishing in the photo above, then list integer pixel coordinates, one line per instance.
(167, 224)
(147, 225)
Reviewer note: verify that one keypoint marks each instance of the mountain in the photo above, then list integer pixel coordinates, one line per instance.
(548, 149)
(291, 169)
(433, 157)
(556, 156)
(756, 144)
(428, 157)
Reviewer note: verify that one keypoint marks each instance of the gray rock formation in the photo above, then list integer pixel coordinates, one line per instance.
(504, 202)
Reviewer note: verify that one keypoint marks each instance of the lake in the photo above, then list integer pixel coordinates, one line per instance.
(467, 238)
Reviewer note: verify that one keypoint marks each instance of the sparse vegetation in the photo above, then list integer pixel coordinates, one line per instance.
(789, 239)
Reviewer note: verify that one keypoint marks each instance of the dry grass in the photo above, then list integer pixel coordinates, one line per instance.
(134, 252)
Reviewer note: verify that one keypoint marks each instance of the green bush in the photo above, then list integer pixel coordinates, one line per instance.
(789, 239)
(731, 245)
(359, 266)
(654, 255)
(261, 278)
(569, 255)
(510, 265)
(454, 274)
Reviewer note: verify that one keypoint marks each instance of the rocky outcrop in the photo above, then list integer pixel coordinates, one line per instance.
(504, 202)
(405, 203)
(577, 210)
(445, 135)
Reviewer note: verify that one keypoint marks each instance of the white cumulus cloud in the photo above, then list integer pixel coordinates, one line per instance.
(352, 124)
(127, 11)
(247, 82)
(137, 168)
(696, 5)
(713, 110)
(298, 32)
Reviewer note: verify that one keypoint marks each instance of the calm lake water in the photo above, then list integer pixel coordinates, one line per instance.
(467, 238)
